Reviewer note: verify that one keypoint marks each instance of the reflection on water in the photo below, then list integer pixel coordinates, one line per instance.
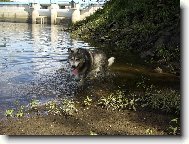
(33, 62)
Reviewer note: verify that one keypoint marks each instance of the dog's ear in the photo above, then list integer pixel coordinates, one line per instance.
(69, 50)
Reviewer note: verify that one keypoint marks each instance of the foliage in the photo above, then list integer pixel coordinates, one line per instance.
(34, 103)
(174, 127)
(167, 100)
(53, 108)
(68, 107)
(20, 112)
(9, 112)
(149, 28)
(119, 101)
(146, 96)
(149, 132)
(87, 101)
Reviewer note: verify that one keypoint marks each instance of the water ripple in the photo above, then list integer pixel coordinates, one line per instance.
(33, 63)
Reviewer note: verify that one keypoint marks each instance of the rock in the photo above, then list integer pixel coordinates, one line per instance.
(158, 70)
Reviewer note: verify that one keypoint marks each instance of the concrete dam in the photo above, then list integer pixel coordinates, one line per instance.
(50, 13)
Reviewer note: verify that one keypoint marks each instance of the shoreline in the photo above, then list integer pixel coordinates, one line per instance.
(87, 115)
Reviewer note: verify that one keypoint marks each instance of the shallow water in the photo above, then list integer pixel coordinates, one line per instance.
(33, 63)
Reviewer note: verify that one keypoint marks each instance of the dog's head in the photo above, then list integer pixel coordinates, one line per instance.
(76, 59)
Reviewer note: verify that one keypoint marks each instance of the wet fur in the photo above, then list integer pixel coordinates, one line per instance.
(89, 63)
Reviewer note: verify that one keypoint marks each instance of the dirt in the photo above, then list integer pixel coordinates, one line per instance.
(86, 121)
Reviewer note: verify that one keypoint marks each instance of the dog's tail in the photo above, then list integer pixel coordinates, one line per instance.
(111, 61)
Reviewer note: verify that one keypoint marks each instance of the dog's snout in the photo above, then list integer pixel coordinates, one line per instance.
(73, 66)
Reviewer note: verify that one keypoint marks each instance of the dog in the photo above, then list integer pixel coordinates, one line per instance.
(88, 63)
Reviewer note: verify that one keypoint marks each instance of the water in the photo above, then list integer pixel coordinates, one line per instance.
(33, 63)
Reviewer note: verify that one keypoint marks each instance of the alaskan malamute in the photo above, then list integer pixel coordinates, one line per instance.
(88, 63)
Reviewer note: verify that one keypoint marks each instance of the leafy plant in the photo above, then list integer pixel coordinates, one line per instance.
(9, 112)
(68, 107)
(174, 127)
(20, 112)
(149, 132)
(34, 103)
(87, 101)
(166, 100)
(119, 101)
(53, 108)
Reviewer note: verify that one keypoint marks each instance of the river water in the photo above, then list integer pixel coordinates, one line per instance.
(33, 63)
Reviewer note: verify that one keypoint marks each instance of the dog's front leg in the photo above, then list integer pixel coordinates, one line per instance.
(81, 82)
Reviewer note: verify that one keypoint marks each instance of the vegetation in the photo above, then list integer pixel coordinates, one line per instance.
(34, 103)
(118, 101)
(148, 28)
(9, 112)
(168, 101)
(174, 127)
(68, 107)
(147, 98)
(87, 101)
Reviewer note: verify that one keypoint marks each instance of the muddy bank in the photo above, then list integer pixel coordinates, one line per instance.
(87, 121)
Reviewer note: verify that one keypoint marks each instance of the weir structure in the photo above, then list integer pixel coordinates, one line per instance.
(51, 13)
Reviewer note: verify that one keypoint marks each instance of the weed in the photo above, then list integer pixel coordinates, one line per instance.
(34, 103)
(174, 127)
(119, 101)
(166, 100)
(9, 113)
(149, 132)
(68, 107)
(87, 101)
(53, 108)
(133, 101)
(20, 112)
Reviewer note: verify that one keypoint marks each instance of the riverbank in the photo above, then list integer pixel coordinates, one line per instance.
(150, 30)
(89, 121)
(110, 107)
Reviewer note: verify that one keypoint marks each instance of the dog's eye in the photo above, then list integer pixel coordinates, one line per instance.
(77, 59)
